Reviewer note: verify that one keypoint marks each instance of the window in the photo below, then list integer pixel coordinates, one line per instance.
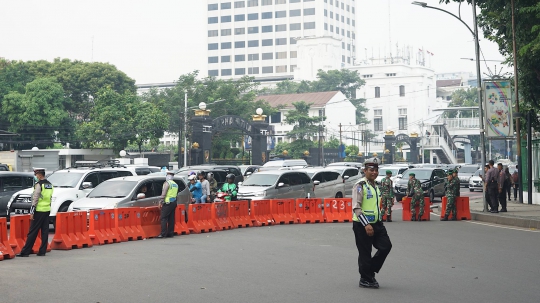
(239, 4)
(342, 45)
(226, 5)
(326, 13)
(348, 59)
(267, 69)
(377, 112)
(267, 15)
(12, 183)
(403, 123)
(225, 45)
(239, 71)
(377, 124)
(240, 17)
(294, 1)
(239, 31)
(213, 33)
(402, 90)
(352, 9)
(331, 15)
(212, 20)
(342, 32)
(212, 46)
(226, 32)
(213, 73)
(331, 28)
(281, 69)
(253, 43)
(281, 28)
(337, 17)
(348, 46)
(402, 111)
(342, 6)
(225, 19)
(267, 56)
(254, 16)
(266, 2)
(275, 117)
(337, 30)
(239, 58)
(253, 30)
(348, 20)
(267, 42)
(226, 72)
(239, 44)
(377, 92)
(281, 55)
(348, 34)
(292, 40)
(267, 29)
(295, 26)
(225, 59)
(295, 13)
(309, 25)
(93, 178)
(309, 11)
(253, 57)
(252, 3)
(391, 75)
(293, 54)
(281, 14)
(253, 70)
(353, 24)
(325, 26)
(213, 7)
(281, 41)
(281, 1)
(214, 59)
(367, 76)
(348, 7)
(343, 58)
(292, 68)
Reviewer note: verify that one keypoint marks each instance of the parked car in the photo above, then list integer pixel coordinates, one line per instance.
(4, 167)
(465, 173)
(219, 174)
(396, 170)
(475, 182)
(133, 191)
(277, 164)
(141, 170)
(431, 179)
(233, 169)
(10, 183)
(248, 170)
(328, 183)
(276, 184)
(70, 184)
(355, 164)
(350, 175)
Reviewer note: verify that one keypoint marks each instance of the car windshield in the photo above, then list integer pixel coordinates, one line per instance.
(468, 169)
(419, 174)
(261, 180)
(478, 172)
(113, 189)
(273, 164)
(65, 179)
(382, 171)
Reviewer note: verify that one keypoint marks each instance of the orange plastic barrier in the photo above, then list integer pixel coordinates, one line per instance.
(180, 224)
(309, 210)
(101, 227)
(220, 216)
(338, 210)
(200, 218)
(462, 208)
(18, 232)
(128, 223)
(283, 211)
(239, 213)
(71, 231)
(261, 213)
(6, 252)
(406, 213)
(151, 221)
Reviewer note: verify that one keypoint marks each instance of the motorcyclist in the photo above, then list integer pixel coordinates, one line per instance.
(205, 186)
(213, 185)
(230, 188)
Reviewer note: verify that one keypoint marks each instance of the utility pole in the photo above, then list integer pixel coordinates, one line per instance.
(340, 143)
(516, 100)
(185, 129)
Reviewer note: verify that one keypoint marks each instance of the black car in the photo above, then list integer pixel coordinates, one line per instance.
(235, 170)
(219, 174)
(10, 183)
(431, 179)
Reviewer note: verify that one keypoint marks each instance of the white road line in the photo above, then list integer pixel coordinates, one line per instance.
(505, 227)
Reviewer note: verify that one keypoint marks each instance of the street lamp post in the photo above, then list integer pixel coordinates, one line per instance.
(478, 75)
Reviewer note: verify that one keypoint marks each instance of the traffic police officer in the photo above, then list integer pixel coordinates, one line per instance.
(39, 214)
(369, 230)
(387, 195)
(168, 205)
(451, 196)
(414, 190)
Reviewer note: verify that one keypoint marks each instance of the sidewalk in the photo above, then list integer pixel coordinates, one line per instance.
(520, 215)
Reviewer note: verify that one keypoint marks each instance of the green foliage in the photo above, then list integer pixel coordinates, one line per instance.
(280, 147)
(304, 127)
(332, 143)
(351, 150)
(463, 98)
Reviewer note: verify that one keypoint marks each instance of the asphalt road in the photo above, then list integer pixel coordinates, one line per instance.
(430, 262)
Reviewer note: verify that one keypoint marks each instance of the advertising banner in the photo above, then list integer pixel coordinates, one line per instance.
(498, 109)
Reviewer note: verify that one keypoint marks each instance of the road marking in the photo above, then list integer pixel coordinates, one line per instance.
(505, 227)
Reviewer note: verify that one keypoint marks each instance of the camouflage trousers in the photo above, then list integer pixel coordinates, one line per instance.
(451, 206)
(386, 203)
(417, 200)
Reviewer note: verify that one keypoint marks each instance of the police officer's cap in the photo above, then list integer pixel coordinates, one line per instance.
(388, 172)
(372, 162)
(169, 172)
(412, 174)
(39, 170)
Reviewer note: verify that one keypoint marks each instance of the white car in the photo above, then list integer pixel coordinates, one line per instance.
(70, 184)
(328, 182)
(396, 170)
(350, 175)
(475, 182)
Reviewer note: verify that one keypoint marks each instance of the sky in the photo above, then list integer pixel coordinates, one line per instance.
(157, 41)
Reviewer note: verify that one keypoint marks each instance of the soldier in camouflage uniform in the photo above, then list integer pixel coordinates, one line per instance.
(414, 190)
(455, 178)
(451, 185)
(387, 195)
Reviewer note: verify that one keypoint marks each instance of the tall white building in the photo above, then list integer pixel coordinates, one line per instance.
(261, 38)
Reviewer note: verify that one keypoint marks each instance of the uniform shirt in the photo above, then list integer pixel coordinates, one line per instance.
(500, 179)
(164, 191)
(386, 188)
(37, 194)
(492, 173)
(414, 186)
(358, 199)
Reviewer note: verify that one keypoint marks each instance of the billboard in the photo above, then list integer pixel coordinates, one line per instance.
(498, 109)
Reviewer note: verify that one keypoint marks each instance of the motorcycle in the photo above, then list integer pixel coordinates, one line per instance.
(221, 197)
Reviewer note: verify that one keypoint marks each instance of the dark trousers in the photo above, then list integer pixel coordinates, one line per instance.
(488, 200)
(167, 219)
(368, 265)
(502, 198)
(493, 192)
(516, 187)
(40, 223)
(509, 192)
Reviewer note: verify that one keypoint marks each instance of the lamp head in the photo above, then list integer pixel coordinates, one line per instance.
(202, 106)
(259, 111)
(122, 153)
(422, 4)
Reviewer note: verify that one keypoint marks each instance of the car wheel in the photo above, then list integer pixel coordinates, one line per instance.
(432, 196)
(339, 195)
(471, 189)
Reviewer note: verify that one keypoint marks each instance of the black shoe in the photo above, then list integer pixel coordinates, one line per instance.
(365, 283)
(388, 218)
(419, 218)
(170, 236)
(494, 211)
(374, 283)
(413, 218)
(445, 218)
(23, 256)
(41, 255)
(160, 236)
(454, 218)
(503, 210)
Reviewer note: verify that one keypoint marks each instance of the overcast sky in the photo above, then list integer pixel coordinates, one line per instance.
(157, 41)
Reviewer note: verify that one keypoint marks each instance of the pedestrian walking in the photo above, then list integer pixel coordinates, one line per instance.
(515, 179)
(387, 195)
(483, 177)
(205, 187)
(501, 181)
(168, 205)
(39, 214)
(369, 230)
(508, 183)
(414, 190)
(491, 186)
(451, 197)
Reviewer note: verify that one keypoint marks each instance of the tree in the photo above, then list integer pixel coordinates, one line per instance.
(304, 127)
(149, 124)
(463, 98)
(332, 143)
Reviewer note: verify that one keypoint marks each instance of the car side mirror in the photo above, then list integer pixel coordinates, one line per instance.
(240, 183)
(281, 184)
(248, 173)
(140, 196)
(346, 177)
(87, 185)
(316, 182)
(399, 176)
(436, 178)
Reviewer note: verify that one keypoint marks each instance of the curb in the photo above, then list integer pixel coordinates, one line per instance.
(504, 220)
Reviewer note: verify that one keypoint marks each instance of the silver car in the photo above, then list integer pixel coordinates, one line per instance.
(274, 184)
(328, 182)
(350, 176)
(135, 191)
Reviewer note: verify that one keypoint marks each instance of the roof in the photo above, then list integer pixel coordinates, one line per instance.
(447, 83)
(319, 99)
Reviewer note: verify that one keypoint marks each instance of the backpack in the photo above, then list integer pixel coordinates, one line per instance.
(515, 177)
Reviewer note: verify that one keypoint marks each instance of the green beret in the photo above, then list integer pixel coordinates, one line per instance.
(412, 174)
(450, 172)
(388, 172)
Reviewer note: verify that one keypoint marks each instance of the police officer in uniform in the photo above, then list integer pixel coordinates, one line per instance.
(168, 205)
(369, 230)
(39, 214)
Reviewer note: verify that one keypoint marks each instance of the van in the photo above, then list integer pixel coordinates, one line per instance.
(276, 184)
(279, 164)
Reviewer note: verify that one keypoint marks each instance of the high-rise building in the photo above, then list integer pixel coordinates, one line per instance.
(264, 38)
